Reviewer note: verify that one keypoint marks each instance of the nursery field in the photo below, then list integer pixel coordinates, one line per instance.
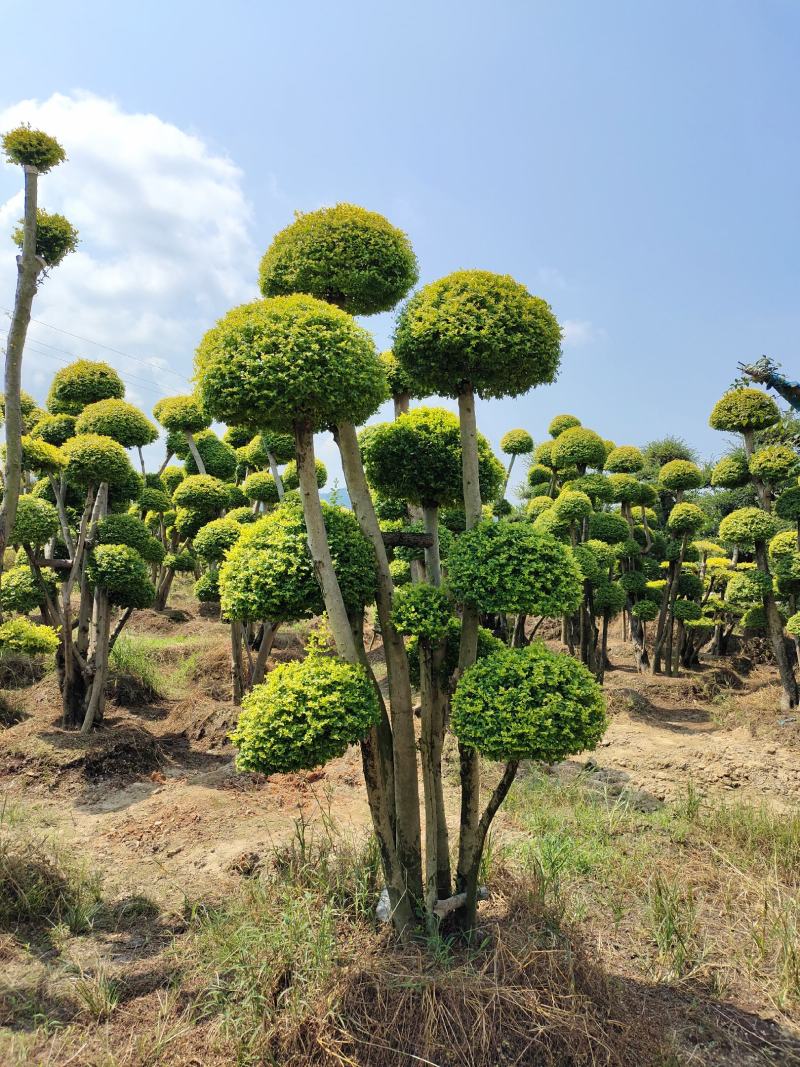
(167, 909)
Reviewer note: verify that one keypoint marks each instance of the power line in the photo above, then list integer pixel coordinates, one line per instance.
(131, 379)
(108, 348)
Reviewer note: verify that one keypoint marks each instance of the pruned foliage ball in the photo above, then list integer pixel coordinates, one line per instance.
(81, 383)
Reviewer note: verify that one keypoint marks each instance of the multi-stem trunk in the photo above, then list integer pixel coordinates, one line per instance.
(789, 697)
(380, 788)
(400, 745)
(29, 266)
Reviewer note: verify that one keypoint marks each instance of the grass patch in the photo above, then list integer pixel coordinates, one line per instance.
(698, 890)
(146, 669)
(41, 883)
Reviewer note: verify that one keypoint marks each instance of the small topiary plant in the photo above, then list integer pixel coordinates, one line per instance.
(54, 429)
(22, 636)
(35, 523)
(731, 471)
(422, 611)
(624, 460)
(308, 712)
(344, 255)
(744, 411)
(528, 703)
(56, 237)
(82, 383)
(580, 448)
(560, 423)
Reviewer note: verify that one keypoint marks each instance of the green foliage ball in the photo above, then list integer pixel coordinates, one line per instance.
(182, 562)
(686, 518)
(202, 493)
(92, 458)
(289, 359)
(560, 423)
(608, 526)
(181, 413)
(32, 148)
(538, 475)
(260, 486)
(308, 712)
(56, 237)
(40, 457)
(81, 383)
(537, 505)
(206, 588)
(122, 574)
(609, 598)
(21, 591)
(124, 530)
(509, 567)
(117, 419)
(475, 329)
(215, 538)
(572, 506)
(787, 506)
(291, 479)
(578, 447)
(744, 411)
(793, 625)
(731, 471)
(218, 458)
(36, 521)
(679, 475)
(528, 703)
(54, 429)
(516, 443)
(22, 636)
(687, 611)
(626, 459)
(344, 255)
(646, 610)
(172, 478)
(774, 464)
(154, 500)
(421, 611)
(398, 381)
(268, 573)
(747, 526)
(748, 587)
(417, 458)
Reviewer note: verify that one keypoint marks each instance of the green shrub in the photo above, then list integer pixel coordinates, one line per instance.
(206, 588)
(54, 429)
(181, 413)
(21, 591)
(421, 611)
(20, 635)
(731, 471)
(261, 486)
(686, 519)
(746, 526)
(56, 237)
(509, 567)
(122, 574)
(528, 703)
(608, 526)
(774, 464)
(560, 423)
(307, 713)
(219, 459)
(36, 521)
(92, 458)
(124, 530)
(579, 447)
(516, 443)
(744, 411)
(117, 419)
(215, 538)
(82, 382)
(679, 475)
(624, 460)
(32, 148)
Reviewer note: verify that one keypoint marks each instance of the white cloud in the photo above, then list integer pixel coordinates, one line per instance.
(165, 243)
(577, 333)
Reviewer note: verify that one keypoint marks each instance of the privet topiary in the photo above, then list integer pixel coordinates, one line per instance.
(744, 411)
(509, 567)
(421, 611)
(528, 703)
(560, 423)
(516, 443)
(308, 712)
(83, 382)
(746, 526)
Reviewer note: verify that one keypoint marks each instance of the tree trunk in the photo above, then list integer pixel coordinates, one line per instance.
(29, 266)
(273, 466)
(198, 459)
(399, 746)
(789, 698)
(264, 649)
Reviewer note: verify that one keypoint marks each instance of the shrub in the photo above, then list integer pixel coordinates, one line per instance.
(154, 500)
(182, 562)
(307, 713)
(172, 478)
(36, 521)
(528, 703)
(596, 486)
(509, 567)
(345, 255)
(731, 471)
(686, 519)
(32, 148)
(608, 526)
(624, 460)
(572, 506)
(748, 587)
(578, 447)
(538, 475)
(56, 237)
(679, 475)
(647, 610)
(481, 329)
(793, 625)
(609, 598)
(201, 493)
(54, 429)
(215, 538)
(117, 419)
(124, 530)
(261, 486)
(302, 361)
(81, 383)
(594, 559)
(687, 611)
(744, 411)
(417, 458)
(122, 574)
(560, 423)
(206, 588)
(41, 457)
(291, 480)
(219, 459)
(421, 611)
(516, 443)
(20, 635)
(787, 506)
(537, 505)
(92, 458)
(774, 464)
(181, 413)
(747, 526)
(21, 591)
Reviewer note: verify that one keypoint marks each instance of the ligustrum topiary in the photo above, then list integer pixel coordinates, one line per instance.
(580, 448)
(528, 703)
(35, 523)
(82, 383)
(308, 712)
(509, 567)
(560, 423)
(421, 611)
(744, 411)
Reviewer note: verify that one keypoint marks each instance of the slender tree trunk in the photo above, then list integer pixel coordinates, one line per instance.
(198, 459)
(399, 746)
(402, 403)
(469, 846)
(29, 266)
(141, 460)
(273, 466)
(264, 649)
(237, 662)
(789, 697)
(508, 476)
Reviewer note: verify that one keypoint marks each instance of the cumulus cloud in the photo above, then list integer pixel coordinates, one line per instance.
(165, 243)
(577, 333)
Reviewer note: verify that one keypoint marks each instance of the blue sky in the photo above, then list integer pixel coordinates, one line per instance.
(635, 163)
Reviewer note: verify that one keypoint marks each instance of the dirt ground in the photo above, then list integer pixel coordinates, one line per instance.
(156, 803)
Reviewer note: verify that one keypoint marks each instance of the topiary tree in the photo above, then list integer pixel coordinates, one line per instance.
(43, 241)
(560, 423)
(82, 383)
(344, 255)
(219, 459)
(119, 420)
(580, 448)
(514, 443)
(183, 415)
(752, 529)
